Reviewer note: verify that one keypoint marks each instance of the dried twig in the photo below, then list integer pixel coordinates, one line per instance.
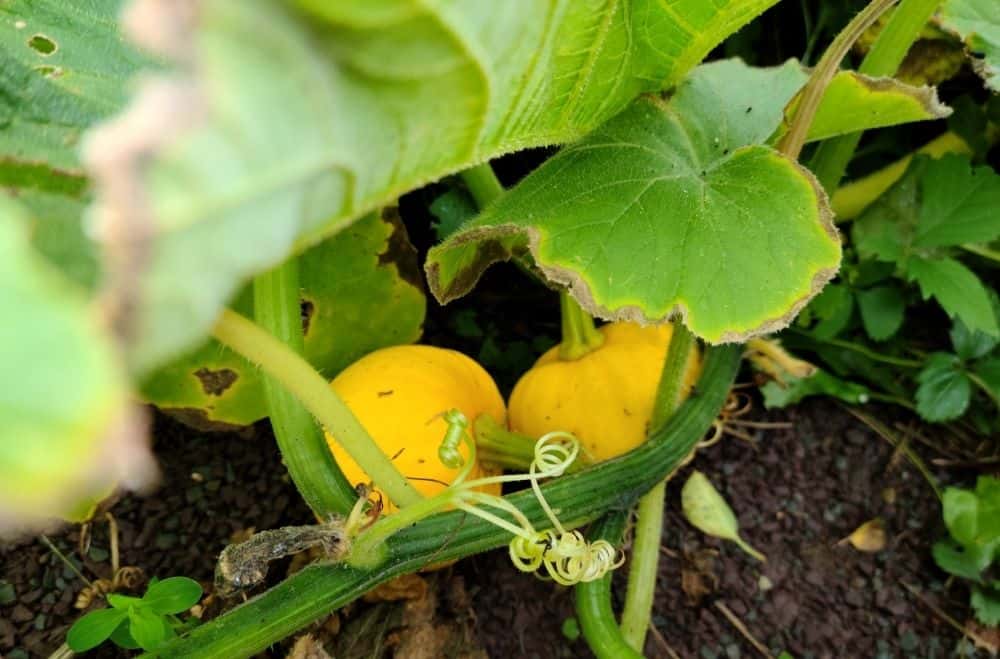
(976, 638)
(742, 629)
(658, 637)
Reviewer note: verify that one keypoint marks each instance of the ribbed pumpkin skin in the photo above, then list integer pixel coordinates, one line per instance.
(605, 398)
(398, 395)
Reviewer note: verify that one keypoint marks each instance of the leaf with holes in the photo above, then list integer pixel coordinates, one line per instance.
(671, 206)
(66, 432)
(288, 123)
(360, 291)
(64, 69)
(977, 22)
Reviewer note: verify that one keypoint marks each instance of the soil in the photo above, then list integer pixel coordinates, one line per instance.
(797, 491)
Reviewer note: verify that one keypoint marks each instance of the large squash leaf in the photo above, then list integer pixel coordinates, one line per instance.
(672, 205)
(65, 66)
(65, 429)
(360, 292)
(977, 22)
(294, 122)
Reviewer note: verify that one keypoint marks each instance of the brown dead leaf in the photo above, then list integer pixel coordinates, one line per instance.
(869, 537)
(307, 647)
(405, 587)
(698, 575)
(985, 638)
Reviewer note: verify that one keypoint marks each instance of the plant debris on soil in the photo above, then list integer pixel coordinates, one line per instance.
(798, 493)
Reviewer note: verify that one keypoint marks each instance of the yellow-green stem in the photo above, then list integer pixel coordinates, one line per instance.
(791, 144)
(887, 53)
(301, 379)
(508, 449)
(579, 336)
(483, 184)
(649, 517)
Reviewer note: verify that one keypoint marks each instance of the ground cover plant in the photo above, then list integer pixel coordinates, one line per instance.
(208, 208)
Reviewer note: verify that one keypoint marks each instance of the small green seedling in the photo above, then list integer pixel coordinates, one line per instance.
(134, 622)
(705, 508)
(973, 521)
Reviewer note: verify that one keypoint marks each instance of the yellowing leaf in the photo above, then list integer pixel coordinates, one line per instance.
(869, 537)
(705, 508)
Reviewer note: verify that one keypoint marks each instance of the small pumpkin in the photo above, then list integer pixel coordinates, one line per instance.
(604, 397)
(399, 394)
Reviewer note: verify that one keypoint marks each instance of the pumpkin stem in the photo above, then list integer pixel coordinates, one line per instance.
(511, 450)
(579, 336)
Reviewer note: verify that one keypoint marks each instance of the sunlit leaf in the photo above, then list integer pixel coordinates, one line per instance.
(65, 428)
(705, 508)
(671, 206)
(296, 123)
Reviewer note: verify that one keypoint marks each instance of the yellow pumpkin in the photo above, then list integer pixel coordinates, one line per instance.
(399, 394)
(605, 397)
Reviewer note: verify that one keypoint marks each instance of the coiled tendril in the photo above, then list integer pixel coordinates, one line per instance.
(566, 555)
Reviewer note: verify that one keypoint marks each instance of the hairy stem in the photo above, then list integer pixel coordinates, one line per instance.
(649, 516)
(579, 336)
(792, 142)
(593, 600)
(887, 53)
(303, 446)
(301, 380)
(483, 184)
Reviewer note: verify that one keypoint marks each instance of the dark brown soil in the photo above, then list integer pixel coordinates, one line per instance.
(797, 493)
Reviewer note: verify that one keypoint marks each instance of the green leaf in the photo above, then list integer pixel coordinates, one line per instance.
(296, 125)
(853, 101)
(173, 595)
(968, 344)
(961, 514)
(985, 602)
(122, 637)
(989, 371)
(964, 562)
(882, 309)
(944, 389)
(65, 431)
(988, 491)
(148, 628)
(957, 289)
(834, 307)
(705, 508)
(451, 209)
(671, 206)
(93, 628)
(977, 23)
(937, 203)
(959, 203)
(820, 383)
(65, 67)
(360, 291)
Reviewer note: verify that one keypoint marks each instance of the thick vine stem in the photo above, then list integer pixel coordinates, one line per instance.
(791, 144)
(649, 514)
(579, 336)
(580, 498)
(301, 380)
(303, 446)
(593, 600)
(884, 58)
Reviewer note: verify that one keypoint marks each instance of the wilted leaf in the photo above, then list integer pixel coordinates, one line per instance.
(977, 22)
(705, 508)
(300, 122)
(672, 205)
(358, 295)
(869, 537)
(944, 389)
(66, 431)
